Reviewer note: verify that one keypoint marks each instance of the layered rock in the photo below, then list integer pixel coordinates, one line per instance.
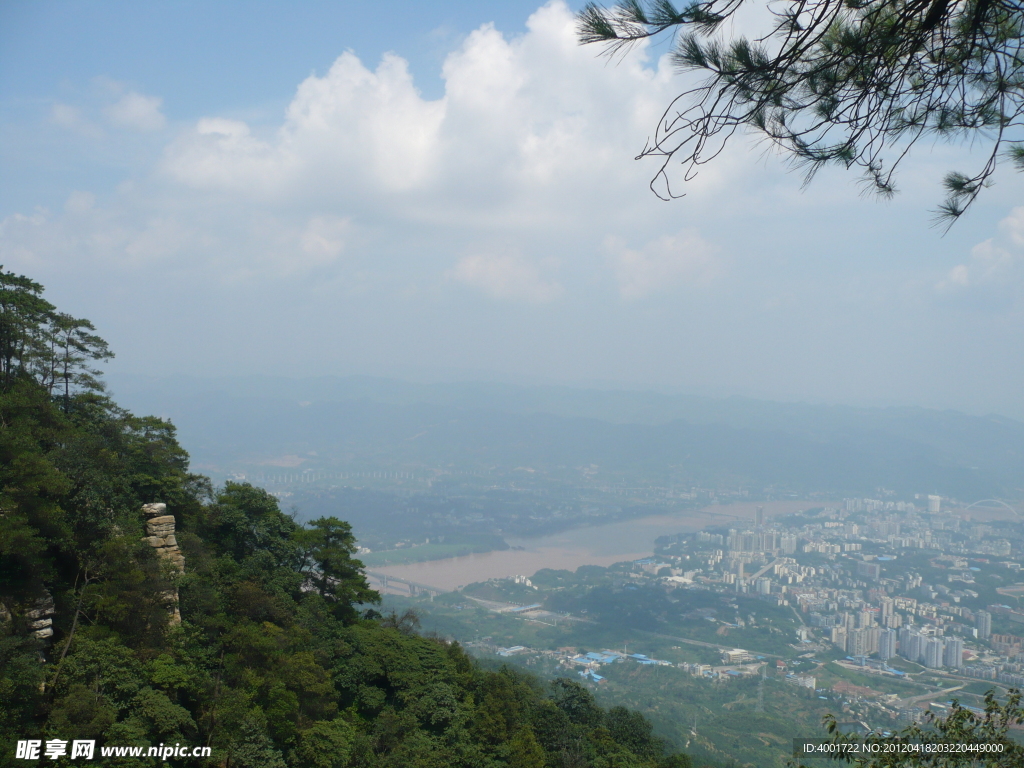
(160, 535)
(41, 617)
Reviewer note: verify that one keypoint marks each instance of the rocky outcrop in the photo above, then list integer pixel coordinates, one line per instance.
(160, 535)
(41, 617)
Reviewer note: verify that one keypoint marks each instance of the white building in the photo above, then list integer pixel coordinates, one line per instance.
(953, 655)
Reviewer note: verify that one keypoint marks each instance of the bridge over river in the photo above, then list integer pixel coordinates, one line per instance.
(394, 585)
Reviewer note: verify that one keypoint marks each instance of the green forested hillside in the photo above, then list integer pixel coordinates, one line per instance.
(264, 648)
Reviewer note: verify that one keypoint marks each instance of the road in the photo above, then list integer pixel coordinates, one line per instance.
(933, 695)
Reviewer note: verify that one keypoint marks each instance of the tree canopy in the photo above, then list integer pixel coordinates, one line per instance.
(964, 737)
(38, 342)
(851, 82)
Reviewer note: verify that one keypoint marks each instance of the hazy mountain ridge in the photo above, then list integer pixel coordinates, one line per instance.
(737, 441)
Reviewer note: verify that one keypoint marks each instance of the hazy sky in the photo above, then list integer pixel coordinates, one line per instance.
(447, 190)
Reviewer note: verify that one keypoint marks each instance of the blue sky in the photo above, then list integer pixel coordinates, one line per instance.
(447, 190)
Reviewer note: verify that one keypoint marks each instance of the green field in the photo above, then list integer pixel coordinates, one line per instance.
(829, 674)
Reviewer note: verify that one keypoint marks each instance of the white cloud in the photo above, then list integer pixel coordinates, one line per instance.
(21, 237)
(662, 264)
(324, 238)
(995, 268)
(506, 277)
(530, 147)
(245, 246)
(71, 118)
(352, 129)
(136, 112)
(80, 202)
(523, 121)
(65, 115)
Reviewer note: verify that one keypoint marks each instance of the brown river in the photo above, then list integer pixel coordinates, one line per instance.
(593, 545)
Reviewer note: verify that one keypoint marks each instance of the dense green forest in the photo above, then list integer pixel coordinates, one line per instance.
(229, 625)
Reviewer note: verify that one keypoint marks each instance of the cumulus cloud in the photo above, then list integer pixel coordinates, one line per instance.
(506, 277)
(995, 270)
(523, 121)
(352, 129)
(662, 263)
(136, 112)
(531, 146)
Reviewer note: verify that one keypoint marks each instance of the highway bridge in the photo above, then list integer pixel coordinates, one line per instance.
(394, 585)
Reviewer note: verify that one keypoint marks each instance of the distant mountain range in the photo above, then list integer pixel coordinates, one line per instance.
(244, 421)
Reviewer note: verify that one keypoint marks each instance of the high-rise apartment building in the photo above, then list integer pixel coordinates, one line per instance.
(983, 622)
(886, 644)
(885, 609)
(857, 643)
(862, 642)
(910, 644)
(838, 637)
(894, 622)
(932, 652)
(953, 655)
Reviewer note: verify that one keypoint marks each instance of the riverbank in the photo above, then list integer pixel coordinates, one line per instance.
(594, 545)
(424, 552)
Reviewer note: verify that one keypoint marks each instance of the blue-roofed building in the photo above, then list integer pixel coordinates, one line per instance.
(602, 658)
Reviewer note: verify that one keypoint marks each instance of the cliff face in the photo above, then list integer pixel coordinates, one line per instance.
(160, 535)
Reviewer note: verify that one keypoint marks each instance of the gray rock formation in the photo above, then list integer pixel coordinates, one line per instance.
(41, 617)
(160, 535)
